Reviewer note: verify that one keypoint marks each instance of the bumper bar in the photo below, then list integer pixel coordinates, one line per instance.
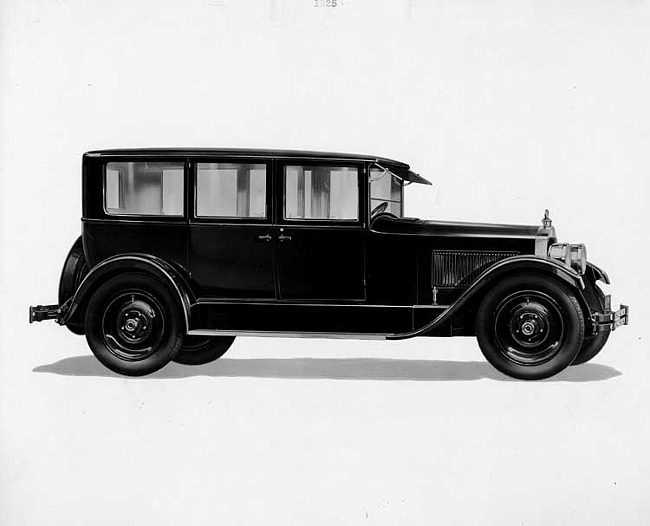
(43, 312)
(612, 320)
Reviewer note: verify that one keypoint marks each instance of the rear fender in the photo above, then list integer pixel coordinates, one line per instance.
(115, 265)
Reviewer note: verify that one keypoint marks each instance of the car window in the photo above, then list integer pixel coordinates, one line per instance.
(321, 192)
(230, 190)
(385, 188)
(144, 188)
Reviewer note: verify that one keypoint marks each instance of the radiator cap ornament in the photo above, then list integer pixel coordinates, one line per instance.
(546, 220)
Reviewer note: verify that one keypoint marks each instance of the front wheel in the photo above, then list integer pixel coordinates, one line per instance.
(198, 350)
(134, 324)
(591, 347)
(530, 327)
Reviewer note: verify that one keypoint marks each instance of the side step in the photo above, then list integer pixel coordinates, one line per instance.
(330, 335)
(43, 312)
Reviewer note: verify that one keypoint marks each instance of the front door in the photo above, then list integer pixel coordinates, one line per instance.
(231, 244)
(320, 237)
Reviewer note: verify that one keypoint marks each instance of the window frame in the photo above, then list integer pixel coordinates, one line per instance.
(193, 199)
(281, 166)
(144, 217)
(370, 198)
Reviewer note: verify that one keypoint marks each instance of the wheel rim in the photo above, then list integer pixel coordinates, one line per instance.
(133, 325)
(529, 328)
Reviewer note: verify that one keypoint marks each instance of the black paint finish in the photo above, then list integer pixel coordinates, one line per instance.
(272, 274)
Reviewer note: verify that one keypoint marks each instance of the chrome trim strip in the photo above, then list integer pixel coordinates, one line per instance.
(454, 235)
(309, 303)
(541, 246)
(545, 236)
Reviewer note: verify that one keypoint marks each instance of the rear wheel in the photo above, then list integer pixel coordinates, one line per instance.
(530, 327)
(199, 350)
(134, 324)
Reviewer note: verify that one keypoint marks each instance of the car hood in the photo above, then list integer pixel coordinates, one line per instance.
(386, 224)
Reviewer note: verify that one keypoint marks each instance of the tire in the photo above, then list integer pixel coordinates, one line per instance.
(591, 347)
(197, 350)
(530, 327)
(74, 271)
(134, 324)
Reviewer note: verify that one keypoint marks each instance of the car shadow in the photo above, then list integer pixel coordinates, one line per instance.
(387, 369)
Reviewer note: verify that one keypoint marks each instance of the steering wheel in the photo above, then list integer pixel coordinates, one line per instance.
(381, 207)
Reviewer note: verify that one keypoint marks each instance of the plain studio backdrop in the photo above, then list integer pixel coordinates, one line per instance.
(509, 107)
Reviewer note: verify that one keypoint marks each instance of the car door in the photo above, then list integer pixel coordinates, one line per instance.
(320, 231)
(230, 242)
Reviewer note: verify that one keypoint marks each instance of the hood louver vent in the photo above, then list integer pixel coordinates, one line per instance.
(453, 269)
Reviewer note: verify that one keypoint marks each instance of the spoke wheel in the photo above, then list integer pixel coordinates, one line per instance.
(134, 324)
(530, 327)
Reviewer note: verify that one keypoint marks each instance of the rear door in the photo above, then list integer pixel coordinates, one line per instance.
(231, 244)
(320, 231)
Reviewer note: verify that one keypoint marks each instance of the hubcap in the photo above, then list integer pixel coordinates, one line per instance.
(133, 325)
(529, 327)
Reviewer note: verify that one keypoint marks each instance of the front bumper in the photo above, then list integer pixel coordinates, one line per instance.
(611, 320)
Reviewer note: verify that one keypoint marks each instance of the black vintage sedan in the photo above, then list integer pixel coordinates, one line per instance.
(182, 250)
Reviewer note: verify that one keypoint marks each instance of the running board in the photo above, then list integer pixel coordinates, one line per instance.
(275, 334)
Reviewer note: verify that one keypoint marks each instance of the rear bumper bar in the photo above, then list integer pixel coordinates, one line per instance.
(43, 312)
(611, 320)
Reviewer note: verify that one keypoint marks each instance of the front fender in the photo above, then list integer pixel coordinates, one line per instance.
(531, 263)
(504, 267)
(127, 263)
(597, 273)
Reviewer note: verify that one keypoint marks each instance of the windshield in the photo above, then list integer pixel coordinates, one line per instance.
(386, 192)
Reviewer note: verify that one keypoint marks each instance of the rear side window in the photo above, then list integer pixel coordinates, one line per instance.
(144, 188)
(321, 192)
(230, 190)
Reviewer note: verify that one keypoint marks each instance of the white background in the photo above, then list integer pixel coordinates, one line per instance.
(510, 107)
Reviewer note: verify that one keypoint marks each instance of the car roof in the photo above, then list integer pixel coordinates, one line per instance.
(245, 152)
(405, 173)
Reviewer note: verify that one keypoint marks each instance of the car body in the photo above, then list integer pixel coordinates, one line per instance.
(313, 244)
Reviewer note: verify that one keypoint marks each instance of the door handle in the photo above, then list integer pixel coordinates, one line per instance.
(282, 238)
(265, 237)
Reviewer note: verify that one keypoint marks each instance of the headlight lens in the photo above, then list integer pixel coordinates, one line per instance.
(573, 254)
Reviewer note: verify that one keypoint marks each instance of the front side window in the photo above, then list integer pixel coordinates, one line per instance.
(144, 188)
(321, 192)
(385, 192)
(230, 190)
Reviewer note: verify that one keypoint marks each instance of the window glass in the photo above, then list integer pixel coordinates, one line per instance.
(321, 192)
(230, 190)
(385, 188)
(144, 188)
(391, 206)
